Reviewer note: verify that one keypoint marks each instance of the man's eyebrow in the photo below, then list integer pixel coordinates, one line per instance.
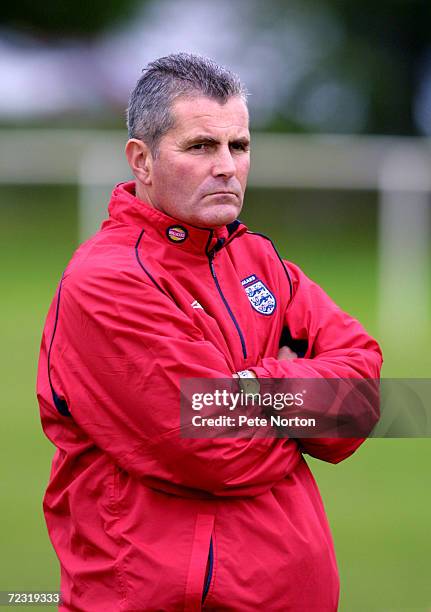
(205, 138)
(200, 138)
(243, 140)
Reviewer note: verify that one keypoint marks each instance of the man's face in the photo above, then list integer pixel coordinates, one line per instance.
(199, 174)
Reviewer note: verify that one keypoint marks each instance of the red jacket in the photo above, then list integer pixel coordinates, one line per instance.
(142, 519)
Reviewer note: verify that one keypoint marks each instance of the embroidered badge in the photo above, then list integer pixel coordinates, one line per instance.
(259, 295)
(176, 233)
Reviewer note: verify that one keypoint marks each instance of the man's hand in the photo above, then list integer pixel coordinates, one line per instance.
(286, 353)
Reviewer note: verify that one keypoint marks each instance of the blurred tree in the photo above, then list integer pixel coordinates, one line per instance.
(386, 46)
(318, 65)
(370, 79)
(56, 19)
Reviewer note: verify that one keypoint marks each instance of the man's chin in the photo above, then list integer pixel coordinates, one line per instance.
(218, 215)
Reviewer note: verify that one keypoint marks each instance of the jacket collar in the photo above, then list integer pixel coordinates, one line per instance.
(125, 207)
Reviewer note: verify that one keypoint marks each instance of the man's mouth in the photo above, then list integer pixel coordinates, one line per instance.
(222, 193)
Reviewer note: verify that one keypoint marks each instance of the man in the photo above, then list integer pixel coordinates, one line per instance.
(142, 518)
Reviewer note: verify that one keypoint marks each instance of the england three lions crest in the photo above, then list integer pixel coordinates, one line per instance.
(259, 295)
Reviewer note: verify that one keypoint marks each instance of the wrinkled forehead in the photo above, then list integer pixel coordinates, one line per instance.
(200, 113)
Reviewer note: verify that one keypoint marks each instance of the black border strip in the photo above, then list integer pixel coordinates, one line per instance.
(210, 571)
(142, 265)
(226, 303)
(59, 403)
(279, 257)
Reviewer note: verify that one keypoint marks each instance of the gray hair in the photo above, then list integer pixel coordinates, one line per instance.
(149, 113)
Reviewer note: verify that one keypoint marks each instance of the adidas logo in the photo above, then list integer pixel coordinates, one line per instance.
(196, 304)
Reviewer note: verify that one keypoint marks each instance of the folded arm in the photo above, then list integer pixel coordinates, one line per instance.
(122, 347)
(337, 347)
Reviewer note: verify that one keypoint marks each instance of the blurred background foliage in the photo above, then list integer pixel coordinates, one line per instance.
(51, 20)
(325, 65)
(311, 66)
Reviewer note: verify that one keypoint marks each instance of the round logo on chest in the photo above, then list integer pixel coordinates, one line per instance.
(177, 233)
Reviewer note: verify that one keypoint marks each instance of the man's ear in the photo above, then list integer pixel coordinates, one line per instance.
(140, 160)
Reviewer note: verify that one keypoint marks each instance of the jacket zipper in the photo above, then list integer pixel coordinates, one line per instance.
(225, 302)
(210, 572)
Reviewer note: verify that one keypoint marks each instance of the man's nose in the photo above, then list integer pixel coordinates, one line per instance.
(224, 163)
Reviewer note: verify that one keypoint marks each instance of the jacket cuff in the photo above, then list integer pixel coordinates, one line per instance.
(260, 371)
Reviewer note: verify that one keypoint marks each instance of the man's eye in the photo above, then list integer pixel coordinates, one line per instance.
(198, 147)
(239, 146)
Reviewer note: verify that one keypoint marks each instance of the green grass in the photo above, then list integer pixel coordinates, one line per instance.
(377, 501)
(37, 235)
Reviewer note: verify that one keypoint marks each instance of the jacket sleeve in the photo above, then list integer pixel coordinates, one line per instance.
(337, 347)
(121, 348)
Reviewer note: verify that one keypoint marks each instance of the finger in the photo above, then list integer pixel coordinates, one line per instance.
(286, 353)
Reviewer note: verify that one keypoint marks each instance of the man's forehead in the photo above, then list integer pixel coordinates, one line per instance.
(200, 113)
